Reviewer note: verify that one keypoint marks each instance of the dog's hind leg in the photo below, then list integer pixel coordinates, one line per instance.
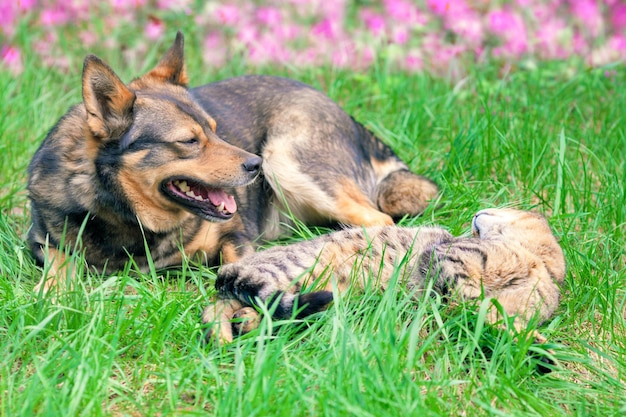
(355, 208)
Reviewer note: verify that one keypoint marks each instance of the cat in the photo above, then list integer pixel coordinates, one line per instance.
(512, 257)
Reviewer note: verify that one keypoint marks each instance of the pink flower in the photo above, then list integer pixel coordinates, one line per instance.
(404, 11)
(510, 27)
(287, 32)
(154, 29)
(400, 35)
(467, 24)
(443, 7)
(214, 51)
(228, 14)
(127, 4)
(11, 58)
(618, 16)
(326, 29)
(618, 43)
(439, 7)
(413, 62)
(588, 13)
(174, 5)
(374, 22)
(501, 22)
(54, 16)
(579, 44)
(7, 17)
(248, 34)
(269, 16)
(88, 38)
(548, 39)
(26, 5)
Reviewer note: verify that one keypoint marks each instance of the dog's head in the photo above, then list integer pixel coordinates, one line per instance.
(159, 146)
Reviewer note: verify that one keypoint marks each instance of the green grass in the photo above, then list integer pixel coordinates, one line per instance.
(551, 139)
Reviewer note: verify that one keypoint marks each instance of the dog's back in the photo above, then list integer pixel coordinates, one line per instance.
(322, 165)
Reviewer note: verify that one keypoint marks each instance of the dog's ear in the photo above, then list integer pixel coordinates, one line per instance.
(109, 103)
(171, 68)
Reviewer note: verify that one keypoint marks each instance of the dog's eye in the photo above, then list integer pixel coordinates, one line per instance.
(191, 141)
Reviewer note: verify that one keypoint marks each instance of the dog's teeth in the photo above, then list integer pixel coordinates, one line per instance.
(191, 194)
(183, 186)
(221, 207)
(199, 198)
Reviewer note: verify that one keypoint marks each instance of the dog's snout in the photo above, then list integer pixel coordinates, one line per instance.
(252, 165)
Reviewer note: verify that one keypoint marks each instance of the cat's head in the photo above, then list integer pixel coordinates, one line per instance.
(526, 228)
(509, 223)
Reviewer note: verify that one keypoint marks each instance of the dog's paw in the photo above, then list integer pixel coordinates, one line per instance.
(218, 316)
(245, 320)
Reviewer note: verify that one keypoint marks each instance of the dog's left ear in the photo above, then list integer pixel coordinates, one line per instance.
(171, 68)
(107, 100)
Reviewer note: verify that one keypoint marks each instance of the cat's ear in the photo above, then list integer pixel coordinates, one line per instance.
(109, 103)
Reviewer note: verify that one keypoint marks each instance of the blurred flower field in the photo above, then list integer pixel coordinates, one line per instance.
(433, 36)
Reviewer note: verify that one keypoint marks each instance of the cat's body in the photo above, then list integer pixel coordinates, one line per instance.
(513, 258)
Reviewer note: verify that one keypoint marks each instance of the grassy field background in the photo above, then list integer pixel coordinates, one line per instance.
(551, 138)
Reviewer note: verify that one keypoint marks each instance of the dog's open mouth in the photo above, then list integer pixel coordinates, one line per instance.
(202, 200)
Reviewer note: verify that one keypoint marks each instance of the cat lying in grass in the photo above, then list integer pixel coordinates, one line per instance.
(513, 257)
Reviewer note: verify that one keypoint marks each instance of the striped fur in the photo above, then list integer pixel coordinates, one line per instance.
(513, 257)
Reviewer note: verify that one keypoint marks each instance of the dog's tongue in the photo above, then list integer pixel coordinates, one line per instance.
(218, 197)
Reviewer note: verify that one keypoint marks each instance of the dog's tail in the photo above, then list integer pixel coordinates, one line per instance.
(404, 193)
(399, 192)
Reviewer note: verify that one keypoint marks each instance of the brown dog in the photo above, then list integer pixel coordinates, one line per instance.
(154, 171)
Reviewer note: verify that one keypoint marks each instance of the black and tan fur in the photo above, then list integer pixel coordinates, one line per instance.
(513, 257)
(112, 174)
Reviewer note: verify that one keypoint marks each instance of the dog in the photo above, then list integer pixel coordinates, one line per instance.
(155, 171)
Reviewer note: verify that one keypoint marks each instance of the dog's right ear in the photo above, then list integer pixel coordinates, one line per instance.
(109, 103)
(171, 68)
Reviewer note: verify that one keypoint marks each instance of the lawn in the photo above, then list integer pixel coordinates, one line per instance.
(549, 137)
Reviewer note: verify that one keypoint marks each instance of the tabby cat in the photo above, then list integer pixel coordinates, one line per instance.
(513, 257)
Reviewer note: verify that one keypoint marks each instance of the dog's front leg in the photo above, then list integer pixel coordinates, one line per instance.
(220, 315)
(58, 273)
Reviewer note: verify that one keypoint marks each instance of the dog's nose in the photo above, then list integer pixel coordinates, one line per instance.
(252, 165)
